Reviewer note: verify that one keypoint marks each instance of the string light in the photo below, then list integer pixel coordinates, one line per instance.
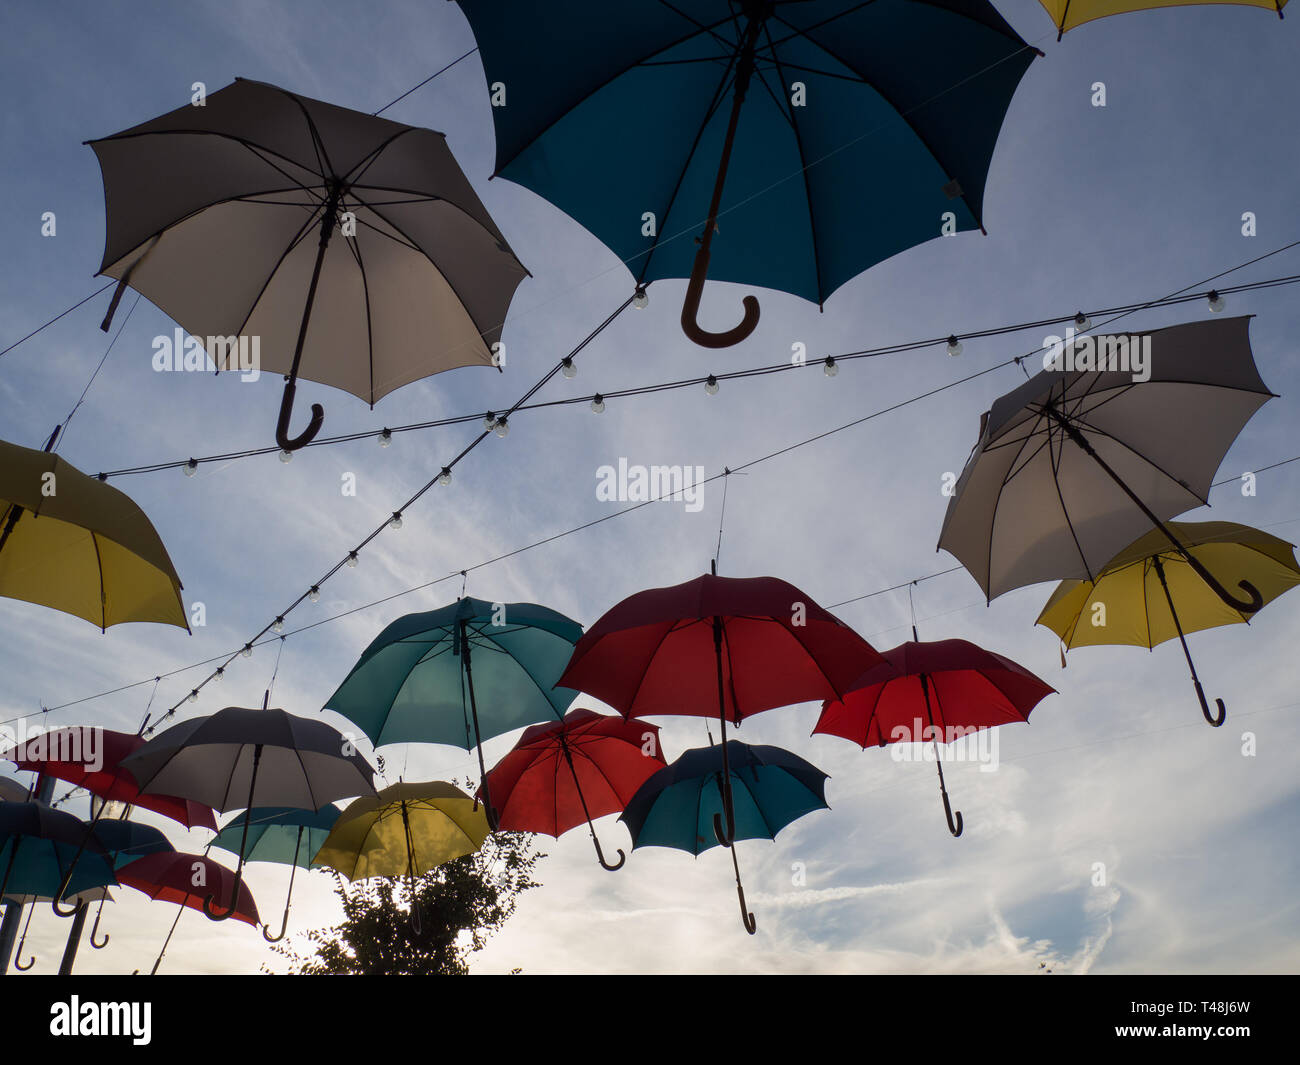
(1217, 302)
(954, 346)
(489, 421)
(278, 625)
(568, 368)
(830, 369)
(314, 594)
(286, 456)
(194, 695)
(386, 437)
(191, 467)
(395, 522)
(503, 428)
(711, 385)
(352, 560)
(640, 299)
(1082, 322)
(247, 652)
(598, 403)
(444, 478)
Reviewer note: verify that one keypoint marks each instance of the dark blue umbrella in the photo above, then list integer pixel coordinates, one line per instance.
(770, 788)
(125, 841)
(849, 129)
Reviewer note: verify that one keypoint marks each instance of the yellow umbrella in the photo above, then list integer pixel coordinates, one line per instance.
(1132, 600)
(406, 828)
(75, 544)
(1070, 13)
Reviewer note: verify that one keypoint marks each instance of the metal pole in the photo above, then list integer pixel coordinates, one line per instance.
(74, 939)
(13, 912)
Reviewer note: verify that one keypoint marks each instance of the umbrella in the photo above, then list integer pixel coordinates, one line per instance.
(249, 758)
(210, 214)
(279, 834)
(819, 137)
(76, 544)
(12, 791)
(960, 687)
(1067, 14)
(562, 773)
(752, 643)
(460, 675)
(40, 853)
(190, 880)
(1138, 590)
(69, 753)
(125, 841)
(406, 828)
(1076, 464)
(679, 806)
(91, 757)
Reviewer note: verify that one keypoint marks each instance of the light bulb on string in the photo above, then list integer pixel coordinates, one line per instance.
(191, 467)
(568, 368)
(1217, 302)
(395, 521)
(954, 346)
(1082, 322)
(640, 299)
(489, 421)
(247, 652)
(352, 560)
(286, 456)
(314, 594)
(502, 428)
(711, 385)
(444, 478)
(220, 674)
(386, 438)
(279, 625)
(831, 368)
(598, 404)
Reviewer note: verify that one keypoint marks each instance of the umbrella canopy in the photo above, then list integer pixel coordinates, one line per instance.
(725, 645)
(678, 807)
(126, 841)
(1067, 14)
(1078, 462)
(189, 880)
(12, 791)
(239, 758)
(405, 829)
(937, 691)
(817, 138)
(41, 853)
(91, 757)
(1150, 593)
(211, 215)
(563, 773)
(76, 544)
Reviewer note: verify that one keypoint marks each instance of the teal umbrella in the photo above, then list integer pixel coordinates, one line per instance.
(770, 788)
(38, 847)
(279, 834)
(461, 675)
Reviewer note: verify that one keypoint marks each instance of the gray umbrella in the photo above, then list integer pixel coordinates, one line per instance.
(212, 211)
(1078, 462)
(240, 758)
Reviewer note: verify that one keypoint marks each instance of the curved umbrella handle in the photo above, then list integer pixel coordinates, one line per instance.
(726, 835)
(284, 927)
(691, 310)
(600, 855)
(1205, 706)
(18, 964)
(95, 928)
(54, 903)
(22, 942)
(955, 827)
(746, 918)
(286, 412)
(230, 912)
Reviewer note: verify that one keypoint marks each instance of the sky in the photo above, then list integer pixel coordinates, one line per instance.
(1086, 207)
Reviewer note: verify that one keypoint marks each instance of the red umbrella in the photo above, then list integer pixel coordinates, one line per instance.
(957, 686)
(68, 754)
(187, 879)
(761, 641)
(562, 773)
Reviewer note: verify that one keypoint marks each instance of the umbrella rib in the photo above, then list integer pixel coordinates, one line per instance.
(366, 162)
(103, 599)
(396, 238)
(354, 246)
(1056, 483)
(787, 109)
(299, 237)
(817, 25)
(614, 77)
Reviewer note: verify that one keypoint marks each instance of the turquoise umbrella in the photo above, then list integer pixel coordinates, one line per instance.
(279, 834)
(460, 675)
(770, 788)
(38, 846)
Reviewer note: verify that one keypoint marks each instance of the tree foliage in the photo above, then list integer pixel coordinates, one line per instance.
(460, 905)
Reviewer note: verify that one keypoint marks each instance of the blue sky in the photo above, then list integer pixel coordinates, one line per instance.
(1085, 207)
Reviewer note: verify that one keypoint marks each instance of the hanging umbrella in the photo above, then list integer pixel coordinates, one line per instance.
(1066, 14)
(76, 544)
(813, 139)
(90, 757)
(241, 758)
(211, 211)
(279, 834)
(958, 686)
(190, 880)
(460, 675)
(405, 829)
(1149, 593)
(1076, 464)
(725, 645)
(679, 806)
(563, 773)
(41, 853)
(12, 791)
(125, 841)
